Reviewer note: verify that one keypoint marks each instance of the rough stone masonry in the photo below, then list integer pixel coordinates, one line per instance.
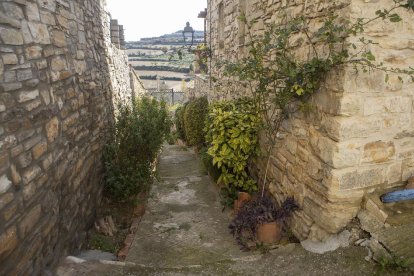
(358, 139)
(60, 78)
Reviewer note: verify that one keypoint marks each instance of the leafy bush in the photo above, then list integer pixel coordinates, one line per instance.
(233, 137)
(213, 171)
(139, 132)
(179, 121)
(195, 115)
(172, 138)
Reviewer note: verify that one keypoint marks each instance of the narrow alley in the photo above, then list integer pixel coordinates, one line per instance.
(184, 232)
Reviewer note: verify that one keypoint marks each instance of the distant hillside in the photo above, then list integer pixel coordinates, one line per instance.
(167, 39)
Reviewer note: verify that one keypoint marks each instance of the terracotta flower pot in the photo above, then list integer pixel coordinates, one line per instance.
(236, 206)
(269, 232)
(243, 196)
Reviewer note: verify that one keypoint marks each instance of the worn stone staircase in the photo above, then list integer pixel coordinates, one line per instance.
(391, 227)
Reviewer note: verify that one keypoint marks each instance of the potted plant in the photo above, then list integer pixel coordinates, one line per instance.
(242, 198)
(260, 221)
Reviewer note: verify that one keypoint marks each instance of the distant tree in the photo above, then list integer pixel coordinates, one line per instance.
(164, 49)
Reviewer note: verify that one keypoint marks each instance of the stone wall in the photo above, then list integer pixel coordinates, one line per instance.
(137, 86)
(201, 87)
(359, 136)
(59, 75)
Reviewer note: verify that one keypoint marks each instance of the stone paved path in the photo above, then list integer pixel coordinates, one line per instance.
(184, 232)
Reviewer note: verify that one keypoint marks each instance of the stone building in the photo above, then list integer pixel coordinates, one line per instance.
(359, 137)
(60, 78)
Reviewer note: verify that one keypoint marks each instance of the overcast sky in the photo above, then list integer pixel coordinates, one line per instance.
(147, 18)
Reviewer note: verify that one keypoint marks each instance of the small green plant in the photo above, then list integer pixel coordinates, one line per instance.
(172, 138)
(263, 248)
(179, 121)
(394, 263)
(140, 130)
(232, 134)
(228, 195)
(100, 242)
(212, 170)
(203, 53)
(194, 117)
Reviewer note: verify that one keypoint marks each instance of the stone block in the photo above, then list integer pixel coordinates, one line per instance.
(16, 151)
(15, 176)
(5, 184)
(59, 38)
(378, 152)
(24, 74)
(406, 153)
(27, 36)
(10, 76)
(30, 220)
(407, 169)
(31, 173)
(24, 159)
(32, 12)
(47, 4)
(33, 105)
(58, 64)
(11, 86)
(39, 149)
(13, 10)
(335, 154)
(357, 178)
(10, 59)
(80, 66)
(357, 127)
(47, 18)
(70, 121)
(47, 162)
(42, 64)
(11, 36)
(52, 129)
(379, 105)
(394, 172)
(8, 240)
(11, 211)
(33, 52)
(62, 21)
(39, 32)
(25, 96)
(6, 20)
(32, 142)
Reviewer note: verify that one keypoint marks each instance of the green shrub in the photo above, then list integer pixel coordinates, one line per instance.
(172, 138)
(212, 170)
(232, 134)
(195, 115)
(139, 132)
(179, 121)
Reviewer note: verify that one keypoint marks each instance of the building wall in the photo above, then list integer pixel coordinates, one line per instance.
(59, 79)
(359, 136)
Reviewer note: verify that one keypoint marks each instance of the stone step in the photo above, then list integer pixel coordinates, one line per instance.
(391, 226)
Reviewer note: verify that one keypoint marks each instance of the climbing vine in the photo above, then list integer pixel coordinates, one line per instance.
(280, 81)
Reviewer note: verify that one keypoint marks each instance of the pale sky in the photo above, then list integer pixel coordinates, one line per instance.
(148, 18)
